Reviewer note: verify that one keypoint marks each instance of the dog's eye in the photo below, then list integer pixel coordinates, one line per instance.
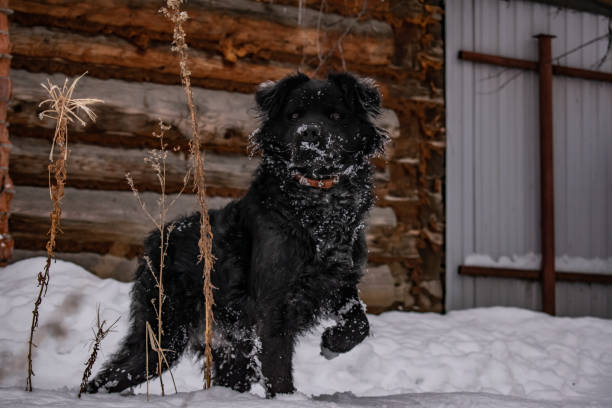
(335, 116)
(294, 115)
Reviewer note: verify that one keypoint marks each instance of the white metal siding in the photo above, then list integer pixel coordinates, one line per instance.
(492, 183)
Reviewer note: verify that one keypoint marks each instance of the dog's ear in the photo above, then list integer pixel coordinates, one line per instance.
(270, 96)
(360, 94)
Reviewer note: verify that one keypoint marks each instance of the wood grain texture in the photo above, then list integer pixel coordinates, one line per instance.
(234, 29)
(45, 43)
(105, 168)
(40, 49)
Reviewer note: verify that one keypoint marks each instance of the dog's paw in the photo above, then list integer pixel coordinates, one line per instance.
(279, 385)
(328, 354)
(333, 341)
(92, 387)
(341, 339)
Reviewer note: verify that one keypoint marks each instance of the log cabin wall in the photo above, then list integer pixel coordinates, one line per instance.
(6, 184)
(235, 45)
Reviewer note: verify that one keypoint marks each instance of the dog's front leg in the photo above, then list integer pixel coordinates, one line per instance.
(276, 361)
(352, 325)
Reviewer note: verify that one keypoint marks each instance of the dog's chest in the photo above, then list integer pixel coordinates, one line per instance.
(331, 221)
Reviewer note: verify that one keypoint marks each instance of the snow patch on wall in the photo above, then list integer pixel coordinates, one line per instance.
(564, 263)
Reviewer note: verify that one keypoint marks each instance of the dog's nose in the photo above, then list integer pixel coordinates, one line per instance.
(309, 133)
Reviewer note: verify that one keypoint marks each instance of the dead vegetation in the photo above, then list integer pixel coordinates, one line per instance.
(336, 48)
(177, 17)
(64, 109)
(157, 160)
(99, 335)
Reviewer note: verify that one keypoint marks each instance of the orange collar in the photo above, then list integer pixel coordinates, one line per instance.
(324, 184)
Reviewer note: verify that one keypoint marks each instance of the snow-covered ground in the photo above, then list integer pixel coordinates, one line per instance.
(498, 357)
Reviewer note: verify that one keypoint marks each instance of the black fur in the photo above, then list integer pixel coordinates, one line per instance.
(287, 253)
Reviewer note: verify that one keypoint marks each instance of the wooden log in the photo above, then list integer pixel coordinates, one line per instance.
(350, 8)
(103, 71)
(377, 288)
(382, 217)
(131, 112)
(108, 222)
(43, 44)
(6, 184)
(388, 242)
(107, 207)
(93, 221)
(38, 49)
(414, 12)
(105, 168)
(234, 28)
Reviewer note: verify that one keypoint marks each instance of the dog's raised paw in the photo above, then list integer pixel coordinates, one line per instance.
(328, 354)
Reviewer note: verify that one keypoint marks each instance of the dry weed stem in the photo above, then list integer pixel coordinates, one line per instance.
(177, 17)
(63, 109)
(99, 335)
(157, 160)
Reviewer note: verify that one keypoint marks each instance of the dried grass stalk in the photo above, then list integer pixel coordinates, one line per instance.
(157, 160)
(323, 58)
(99, 335)
(63, 109)
(155, 345)
(147, 359)
(177, 17)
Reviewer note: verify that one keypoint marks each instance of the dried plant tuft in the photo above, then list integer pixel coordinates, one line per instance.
(177, 17)
(99, 335)
(63, 109)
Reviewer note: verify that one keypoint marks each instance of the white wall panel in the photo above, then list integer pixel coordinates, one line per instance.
(492, 183)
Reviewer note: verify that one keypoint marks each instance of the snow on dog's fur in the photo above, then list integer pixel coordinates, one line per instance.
(291, 251)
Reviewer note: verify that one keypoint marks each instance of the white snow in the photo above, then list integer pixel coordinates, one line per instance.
(564, 263)
(496, 357)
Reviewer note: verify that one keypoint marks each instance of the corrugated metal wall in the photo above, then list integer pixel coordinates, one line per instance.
(492, 183)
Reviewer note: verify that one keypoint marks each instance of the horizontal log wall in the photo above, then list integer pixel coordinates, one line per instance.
(6, 184)
(234, 45)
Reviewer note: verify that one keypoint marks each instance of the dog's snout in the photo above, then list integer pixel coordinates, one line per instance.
(309, 133)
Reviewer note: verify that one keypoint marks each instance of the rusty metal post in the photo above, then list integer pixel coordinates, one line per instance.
(547, 196)
(6, 184)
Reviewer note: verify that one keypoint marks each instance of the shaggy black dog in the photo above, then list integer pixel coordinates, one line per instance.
(291, 251)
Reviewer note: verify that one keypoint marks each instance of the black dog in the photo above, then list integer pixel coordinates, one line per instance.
(289, 252)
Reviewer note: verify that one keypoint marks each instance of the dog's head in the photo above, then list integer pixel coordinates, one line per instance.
(319, 129)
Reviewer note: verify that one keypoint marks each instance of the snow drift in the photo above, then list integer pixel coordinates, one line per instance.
(499, 357)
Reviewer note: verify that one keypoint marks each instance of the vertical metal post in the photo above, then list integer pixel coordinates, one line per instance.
(547, 212)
